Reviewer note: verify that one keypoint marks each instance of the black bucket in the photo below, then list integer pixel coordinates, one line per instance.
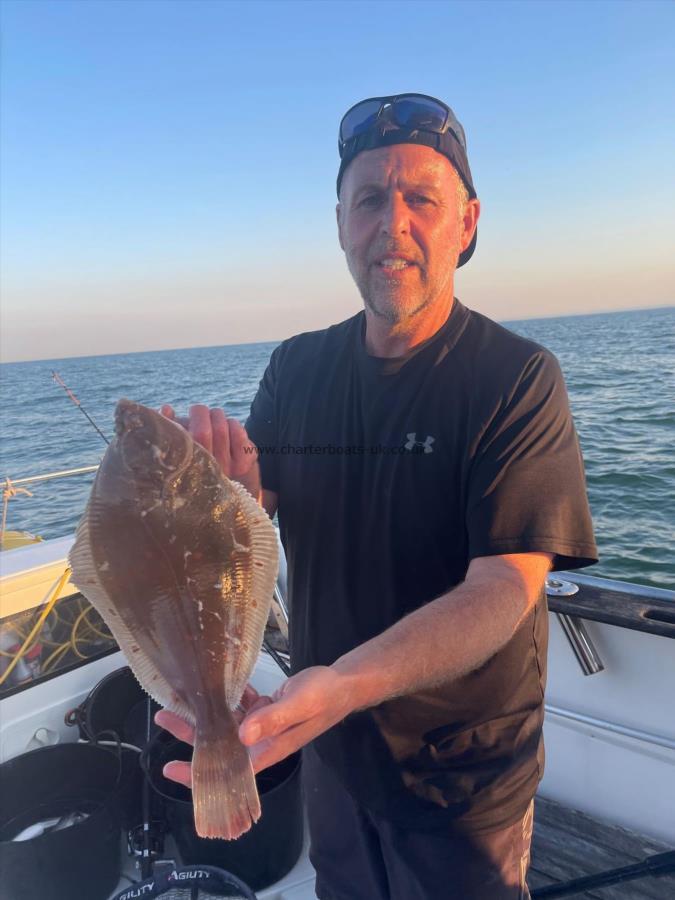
(117, 708)
(261, 856)
(117, 703)
(82, 859)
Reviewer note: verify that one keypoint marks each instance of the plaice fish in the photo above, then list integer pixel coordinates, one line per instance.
(181, 564)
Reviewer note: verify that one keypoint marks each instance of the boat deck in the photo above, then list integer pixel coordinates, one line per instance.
(569, 844)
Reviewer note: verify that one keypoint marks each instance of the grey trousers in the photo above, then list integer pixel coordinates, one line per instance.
(359, 856)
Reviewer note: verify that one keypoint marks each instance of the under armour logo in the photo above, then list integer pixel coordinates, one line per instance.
(413, 442)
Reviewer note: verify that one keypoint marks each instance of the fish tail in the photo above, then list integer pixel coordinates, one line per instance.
(224, 791)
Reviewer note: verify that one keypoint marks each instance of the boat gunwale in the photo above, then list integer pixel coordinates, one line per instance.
(636, 607)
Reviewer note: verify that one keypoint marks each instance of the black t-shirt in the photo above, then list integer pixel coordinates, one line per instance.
(392, 474)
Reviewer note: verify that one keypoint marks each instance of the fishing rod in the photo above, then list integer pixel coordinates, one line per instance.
(57, 378)
(656, 865)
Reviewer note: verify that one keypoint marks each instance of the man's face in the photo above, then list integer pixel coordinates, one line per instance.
(402, 228)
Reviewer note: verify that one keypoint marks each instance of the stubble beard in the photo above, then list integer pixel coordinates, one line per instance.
(398, 306)
(394, 305)
(393, 311)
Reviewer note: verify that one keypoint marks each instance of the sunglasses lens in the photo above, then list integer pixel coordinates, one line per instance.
(359, 119)
(419, 113)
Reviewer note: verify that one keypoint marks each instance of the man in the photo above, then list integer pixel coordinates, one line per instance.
(427, 476)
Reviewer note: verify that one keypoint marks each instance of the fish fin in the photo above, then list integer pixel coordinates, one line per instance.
(86, 579)
(224, 791)
(264, 554)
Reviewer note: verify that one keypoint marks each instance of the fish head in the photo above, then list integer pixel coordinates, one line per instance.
(153, 447)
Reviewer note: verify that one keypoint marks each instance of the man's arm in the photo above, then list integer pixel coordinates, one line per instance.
(437, 643)
(441, 641)
(449, 637)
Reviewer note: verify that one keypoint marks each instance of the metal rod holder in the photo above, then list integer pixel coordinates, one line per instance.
(574, 629)
(280, 610)
(581, 644)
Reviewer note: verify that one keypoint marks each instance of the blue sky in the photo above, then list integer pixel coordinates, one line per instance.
(168, 169)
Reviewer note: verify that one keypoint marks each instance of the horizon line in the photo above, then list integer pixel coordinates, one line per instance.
(604, 312)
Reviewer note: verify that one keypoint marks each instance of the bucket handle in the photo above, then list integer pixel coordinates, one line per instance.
(76, 716)
(96, 741)
(144, 759)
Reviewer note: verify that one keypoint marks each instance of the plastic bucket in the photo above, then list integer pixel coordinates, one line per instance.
(117, 703)
(82, 859)
(117, 708)
(261, 856)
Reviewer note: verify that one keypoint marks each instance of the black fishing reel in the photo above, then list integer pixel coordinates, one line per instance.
(157, 832)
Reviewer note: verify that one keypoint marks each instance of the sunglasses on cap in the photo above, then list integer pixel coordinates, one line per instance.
(415, 112)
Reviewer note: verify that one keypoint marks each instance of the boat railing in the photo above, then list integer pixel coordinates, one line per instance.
(31, 479)
(13, 487)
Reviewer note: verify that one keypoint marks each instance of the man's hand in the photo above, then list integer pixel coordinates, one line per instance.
(227, 440)
(304, 707)
(179, 728)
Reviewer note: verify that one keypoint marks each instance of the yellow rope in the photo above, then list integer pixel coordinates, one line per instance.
(50, 600)
(73, 637)
(97, 631)
(60, 650)
(21, 634)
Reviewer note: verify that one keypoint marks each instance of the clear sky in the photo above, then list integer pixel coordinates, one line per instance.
(168, 168)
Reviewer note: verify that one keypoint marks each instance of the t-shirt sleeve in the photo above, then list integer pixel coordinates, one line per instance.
(527, 489)
(262, 425)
